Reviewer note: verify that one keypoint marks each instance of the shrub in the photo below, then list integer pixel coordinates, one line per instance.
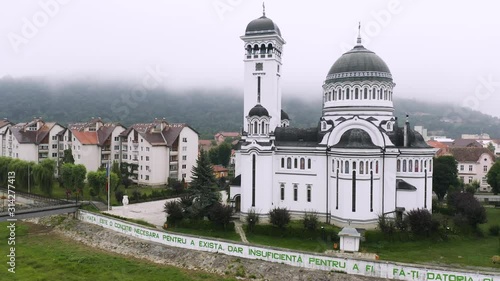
(386, 225)
(119, 196)
(136, 195)
(421, 223)
(174, 212)
(220, 214)
(279, 217)
(466, 204)
(252, 219)
(494, 230)
(310, 221)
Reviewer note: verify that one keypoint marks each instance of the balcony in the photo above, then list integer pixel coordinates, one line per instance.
(43, 148)
(106, 150)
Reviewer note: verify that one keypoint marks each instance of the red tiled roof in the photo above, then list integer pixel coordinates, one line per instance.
(228, 134)
(219, 168)
(437, 144)
(85, 137)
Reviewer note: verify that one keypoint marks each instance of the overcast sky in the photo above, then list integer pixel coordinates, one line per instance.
(437, 50)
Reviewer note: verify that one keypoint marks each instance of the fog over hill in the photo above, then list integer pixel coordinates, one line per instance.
(207, 111)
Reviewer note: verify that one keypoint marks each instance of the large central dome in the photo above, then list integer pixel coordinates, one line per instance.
(359, 64)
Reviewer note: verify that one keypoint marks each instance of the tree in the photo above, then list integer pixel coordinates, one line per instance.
(125, 174)
(220, 214)
(279, 217)
(421, 222)
(68, 156)
(73, 177)
(493, 177)
(472, 187)
(468, 209)
(491, 147)
(445, 175)
(310, 221)
(43, 174)
(224, 154)
(203, 183)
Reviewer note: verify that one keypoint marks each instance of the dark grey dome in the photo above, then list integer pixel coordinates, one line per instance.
(284, 115)
(355, 138)
(258, 110)
(262, 26)
(359, 64)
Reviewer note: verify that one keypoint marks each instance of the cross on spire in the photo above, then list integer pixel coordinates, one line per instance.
(359, 35)
(263, 9)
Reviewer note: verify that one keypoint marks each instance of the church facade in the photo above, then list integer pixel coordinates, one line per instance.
(357, 164)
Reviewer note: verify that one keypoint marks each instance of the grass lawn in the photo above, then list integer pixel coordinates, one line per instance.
(228, 235)
(310, 245)
(467, 251)
(42, 256)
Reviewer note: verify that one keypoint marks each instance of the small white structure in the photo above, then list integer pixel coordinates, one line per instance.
(349, 239)
(125, 200)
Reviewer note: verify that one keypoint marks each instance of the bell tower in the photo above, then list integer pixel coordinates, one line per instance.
(263, 52)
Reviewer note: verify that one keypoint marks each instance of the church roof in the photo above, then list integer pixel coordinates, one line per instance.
(288, 136)
(403, 185)
(262, 26)
(415, 138)
(355, 138)
(284, 115)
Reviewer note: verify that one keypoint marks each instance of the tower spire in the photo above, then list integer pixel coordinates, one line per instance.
(359, 35)
(263, 9)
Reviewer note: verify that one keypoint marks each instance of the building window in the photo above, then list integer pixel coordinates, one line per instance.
(309, 164)
(404, 165)
(147, 177)
(140, 167)
(416, 166)
(117, 156)
(282, 162)
(484, 181)
(289, 163)
(142, 140)
(184, 157)
(117, 138)
(346, 170)
(54, 137)
(308, 193)
(376, 167)
(470, 168)
(302, 163)
(116, 147)
(470, 179)
(147, 158)
(184, 148)
(295, 192)
(462, 179)
(361, 167)
(295, 163)
(410, 166)
(78, 156)
(54, 146)
(398, 166)
(142, 158)
(485, 168)
(78, 147)
(54, 155)
(183, 176)
(184, 166)
(282, 191)
(259, 66)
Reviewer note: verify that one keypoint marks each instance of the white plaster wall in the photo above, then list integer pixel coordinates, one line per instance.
(191, 152)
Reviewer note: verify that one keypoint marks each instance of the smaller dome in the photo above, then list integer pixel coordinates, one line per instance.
(262, 26)
(355, 138)
(284, 115)
(258, 110)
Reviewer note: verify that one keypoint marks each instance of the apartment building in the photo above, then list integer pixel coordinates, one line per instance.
(473, 164)
(34, 141)
(93, 144)
(4, 126)
(160, 150)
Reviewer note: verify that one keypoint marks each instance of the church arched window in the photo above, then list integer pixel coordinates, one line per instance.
(282, 162)
(302, 163)
(356, 94)
(346, 170)
(255, 127)
(366, 94)
(270, 48)
(295, 163)
(342, 166)
(398, 166)
(338, 94)
(347, 94)
(430, 165)
(309, 164)
(404, 166)
(376, 167)
(361, 167)
(354, 165)
(263, 128)
(416, 166)
(289, 163)
(366, 170)
(410, 166)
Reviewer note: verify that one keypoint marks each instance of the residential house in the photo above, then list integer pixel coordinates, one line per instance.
(34, 141)
(220, 171)
(206, 145)
(473, 164)
(4, 126)
(220, 137)
(95, 143)
(160, 150)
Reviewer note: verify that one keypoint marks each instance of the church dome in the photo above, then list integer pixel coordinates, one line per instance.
(284, 115)
(258, 110)
(262, 26)
(359, 64)
(355, 138)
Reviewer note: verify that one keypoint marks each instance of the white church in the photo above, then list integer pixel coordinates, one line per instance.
(357, 164)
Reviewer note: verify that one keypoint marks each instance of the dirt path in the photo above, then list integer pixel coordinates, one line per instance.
(239, 229)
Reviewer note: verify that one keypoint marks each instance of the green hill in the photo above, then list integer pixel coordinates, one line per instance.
(206, 111)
